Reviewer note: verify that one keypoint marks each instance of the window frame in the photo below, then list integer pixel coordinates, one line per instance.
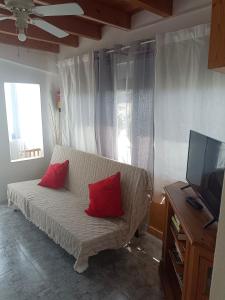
(42, 155)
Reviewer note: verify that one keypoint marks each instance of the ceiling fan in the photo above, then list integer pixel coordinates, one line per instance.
(22, 10)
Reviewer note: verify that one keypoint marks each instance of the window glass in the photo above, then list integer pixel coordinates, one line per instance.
(23, 107)
(123, 126)
(124, 107)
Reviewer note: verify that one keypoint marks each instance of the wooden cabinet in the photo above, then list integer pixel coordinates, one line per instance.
(187, 259)
(217, 37)
(157, 219)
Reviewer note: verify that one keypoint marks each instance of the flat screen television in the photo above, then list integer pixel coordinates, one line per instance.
(205, 170)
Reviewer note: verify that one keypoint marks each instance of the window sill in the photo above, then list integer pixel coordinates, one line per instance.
(26, 158)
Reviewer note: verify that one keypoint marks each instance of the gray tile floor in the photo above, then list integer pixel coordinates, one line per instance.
(34, 267)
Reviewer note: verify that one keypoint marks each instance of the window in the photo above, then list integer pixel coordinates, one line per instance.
(124, 107)
(23, 107)
(123, 126)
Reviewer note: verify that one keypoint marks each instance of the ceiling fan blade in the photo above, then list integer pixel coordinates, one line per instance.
(67, 9)
(59, 33)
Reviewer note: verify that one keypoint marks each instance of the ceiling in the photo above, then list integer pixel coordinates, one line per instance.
(97, 13)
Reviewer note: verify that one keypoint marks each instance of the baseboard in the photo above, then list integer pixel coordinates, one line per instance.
(154, 231)
(4, 202)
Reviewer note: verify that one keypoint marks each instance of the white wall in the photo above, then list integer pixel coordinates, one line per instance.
(145, 25)
(40, 60)
(20, 65)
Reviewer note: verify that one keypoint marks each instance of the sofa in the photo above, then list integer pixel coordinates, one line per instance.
(61, 213)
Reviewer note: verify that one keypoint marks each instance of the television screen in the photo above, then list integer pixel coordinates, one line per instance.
(205, 170)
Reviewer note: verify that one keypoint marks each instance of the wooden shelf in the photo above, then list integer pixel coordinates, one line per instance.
(178, 268)
(185, 276)
(180, 244)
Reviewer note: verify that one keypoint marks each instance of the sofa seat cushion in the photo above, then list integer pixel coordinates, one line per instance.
(61, 215)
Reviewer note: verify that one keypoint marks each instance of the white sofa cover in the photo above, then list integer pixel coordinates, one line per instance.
(60, 213)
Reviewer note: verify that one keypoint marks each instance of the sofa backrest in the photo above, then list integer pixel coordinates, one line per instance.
(85, 168)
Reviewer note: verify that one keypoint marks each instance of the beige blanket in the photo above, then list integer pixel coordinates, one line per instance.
(60, 213)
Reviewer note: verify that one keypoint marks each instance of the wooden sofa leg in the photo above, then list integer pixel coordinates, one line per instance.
(137, 235)
(81, 265)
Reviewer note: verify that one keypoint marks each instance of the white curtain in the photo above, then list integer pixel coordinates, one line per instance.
(78, 104)
(188, 96)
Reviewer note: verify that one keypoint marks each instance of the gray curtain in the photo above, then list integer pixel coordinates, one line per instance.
(124, 104)
(104, 104)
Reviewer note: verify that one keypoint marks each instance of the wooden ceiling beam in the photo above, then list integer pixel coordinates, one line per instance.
(77, 26)
(99, 11)
(30, 43)
(8, 27)
(4, 12)
(163, 8)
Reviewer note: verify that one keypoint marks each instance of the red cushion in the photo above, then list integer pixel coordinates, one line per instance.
(55, 176)
(105, 198)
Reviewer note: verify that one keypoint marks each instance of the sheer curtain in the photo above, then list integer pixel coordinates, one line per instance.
(78, 102)
(107, 104)
(124, 104)
(188, 96)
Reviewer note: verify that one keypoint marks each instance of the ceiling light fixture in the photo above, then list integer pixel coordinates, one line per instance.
(22, 36)
(23, 10)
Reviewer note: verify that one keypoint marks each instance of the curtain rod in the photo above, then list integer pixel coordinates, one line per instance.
(129, 46)
(121, 48)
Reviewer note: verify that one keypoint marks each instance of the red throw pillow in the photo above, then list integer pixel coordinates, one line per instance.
(105, 198)
(55, 176)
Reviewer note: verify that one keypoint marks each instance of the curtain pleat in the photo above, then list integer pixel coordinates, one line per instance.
(78, 102)
(104, 104)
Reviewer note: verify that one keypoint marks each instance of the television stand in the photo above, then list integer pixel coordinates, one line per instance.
(185, 187)
(188, 249)
(209, 223)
